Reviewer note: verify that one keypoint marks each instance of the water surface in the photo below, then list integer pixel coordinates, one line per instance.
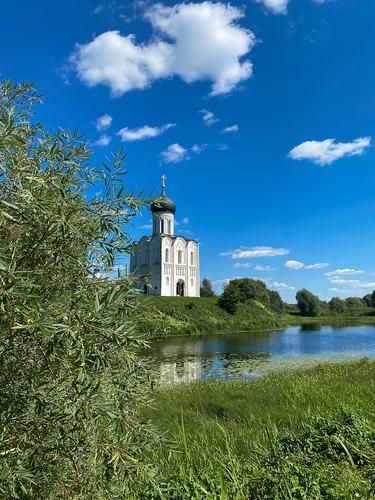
(250, 355)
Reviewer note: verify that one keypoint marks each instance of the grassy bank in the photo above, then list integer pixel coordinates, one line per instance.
(307, 434)
(361, 315)
(185, 315)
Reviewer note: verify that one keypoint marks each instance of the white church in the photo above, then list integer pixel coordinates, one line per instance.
(170, 262)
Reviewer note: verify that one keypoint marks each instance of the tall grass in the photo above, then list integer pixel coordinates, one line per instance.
(307, 434)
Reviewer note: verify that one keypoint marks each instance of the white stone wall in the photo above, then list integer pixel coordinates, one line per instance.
(167, 259)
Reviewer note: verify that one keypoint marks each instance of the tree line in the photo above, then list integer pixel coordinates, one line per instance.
(241, 290)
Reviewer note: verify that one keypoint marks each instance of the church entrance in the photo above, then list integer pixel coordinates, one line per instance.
(180, 288)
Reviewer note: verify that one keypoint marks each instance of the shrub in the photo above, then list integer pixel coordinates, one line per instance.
(70, 381)
(308, 303)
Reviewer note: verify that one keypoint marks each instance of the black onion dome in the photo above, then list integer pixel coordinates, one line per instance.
(163, 204)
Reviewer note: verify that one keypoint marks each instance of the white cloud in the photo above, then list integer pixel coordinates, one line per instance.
(174, 153)
(194, 41)
(255, 252)
(103, 140)
(141, 133)
(145, 226)
(185, 220)
(296, 265)
(318, 265)
(208, 117)
(352, 284)
(345, 271)
(238, 265)
(275, 6)
(198, 148)
(231, 128)
(263, 268)
(222, 147)
(328, 151)
(281, 286)
(103, 122)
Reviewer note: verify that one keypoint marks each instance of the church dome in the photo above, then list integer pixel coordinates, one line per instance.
(163, 203)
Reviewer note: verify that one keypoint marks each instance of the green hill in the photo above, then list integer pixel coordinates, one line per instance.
(184, 315)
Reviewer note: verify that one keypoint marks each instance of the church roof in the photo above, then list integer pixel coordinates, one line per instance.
(163, 203)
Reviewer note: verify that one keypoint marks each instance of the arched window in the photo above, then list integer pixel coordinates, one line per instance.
(192, 258)
(192, 282)
(170, 226)
(179, 257)
(162, 226)
(166, 255)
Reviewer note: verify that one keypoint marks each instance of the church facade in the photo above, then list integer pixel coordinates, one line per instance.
(171, 263)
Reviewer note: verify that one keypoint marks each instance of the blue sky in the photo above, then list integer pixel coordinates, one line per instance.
(260, 114)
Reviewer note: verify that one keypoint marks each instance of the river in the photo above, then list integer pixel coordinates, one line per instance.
(251, 355)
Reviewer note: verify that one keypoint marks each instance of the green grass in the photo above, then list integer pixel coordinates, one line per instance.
(304, 434)
(361, 315)
(185, 316)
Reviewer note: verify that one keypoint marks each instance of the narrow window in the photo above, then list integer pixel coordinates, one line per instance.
(170, 226)
(192, 282)
(167, 280)
(179, 257)
(191, 258)
(162, 226)
(166, 255)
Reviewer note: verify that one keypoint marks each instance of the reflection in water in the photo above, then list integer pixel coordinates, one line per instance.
(250, 355)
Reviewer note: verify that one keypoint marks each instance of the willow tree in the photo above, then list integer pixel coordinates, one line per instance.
(70, 380)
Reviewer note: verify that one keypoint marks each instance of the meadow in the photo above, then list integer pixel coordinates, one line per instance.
(296, 434)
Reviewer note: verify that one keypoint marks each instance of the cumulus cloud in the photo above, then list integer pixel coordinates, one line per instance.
(194, 41)
(175, 153)
(275, 6)
(208, 117)
(352, 284)
(281, 286)
(328, 151)
(198, 148)
(255, 252)
(296, 265)
(263, 268)
(103, 122)
(231, 128)
(104, 140)
(145, 132)
(345, 271)
(318, 265)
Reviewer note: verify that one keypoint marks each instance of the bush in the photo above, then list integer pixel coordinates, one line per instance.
(239, 291)
(337, 305)
(70, 381)
(308, 303)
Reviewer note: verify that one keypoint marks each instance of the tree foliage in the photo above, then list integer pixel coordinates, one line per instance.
(69, 377)
(241, 290)
(206, 288)
(337, 305)
(308, 303)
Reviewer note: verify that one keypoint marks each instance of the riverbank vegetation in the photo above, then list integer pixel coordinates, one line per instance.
(298, 434)
(185, 315)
